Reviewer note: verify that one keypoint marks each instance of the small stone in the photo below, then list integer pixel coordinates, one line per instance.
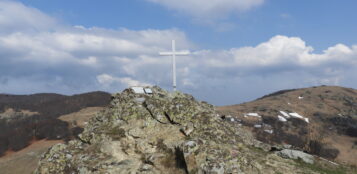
(258, 126)
(68, 156)
(188, 129)
(140, 100)
(146, 167)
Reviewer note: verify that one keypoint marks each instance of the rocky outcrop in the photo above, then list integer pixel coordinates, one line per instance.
(295, 154)
(163, 133)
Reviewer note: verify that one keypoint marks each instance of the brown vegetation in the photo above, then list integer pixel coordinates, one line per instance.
(332, 114)
(34, 117)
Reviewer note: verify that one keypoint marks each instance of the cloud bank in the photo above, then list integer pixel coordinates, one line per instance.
(48, 56)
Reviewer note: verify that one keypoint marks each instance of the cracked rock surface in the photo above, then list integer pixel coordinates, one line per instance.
(162, 132)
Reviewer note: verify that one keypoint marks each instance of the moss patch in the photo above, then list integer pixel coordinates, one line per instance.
(323, 169)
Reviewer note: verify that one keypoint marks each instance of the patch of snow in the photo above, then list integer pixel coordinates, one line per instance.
(300, 97)
(257, 126)
(296, 115)
(269, 131)
(289, 103)
(267, 125)
(252, 115)
(285, 114)
(281, 118)
(232, 119)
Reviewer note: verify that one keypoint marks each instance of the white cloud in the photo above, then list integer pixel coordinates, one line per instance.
(131, 82)
(52, 57)
(107, 80)
(280, 51)
(90, 61)
(16, 16)
(208, 9)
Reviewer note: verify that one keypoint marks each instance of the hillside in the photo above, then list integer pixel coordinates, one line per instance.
(29, 156)
(29, 124)
(53, 105)
(153, 131)
(319, 120)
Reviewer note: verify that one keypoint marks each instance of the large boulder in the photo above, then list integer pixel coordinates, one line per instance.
(296, 154)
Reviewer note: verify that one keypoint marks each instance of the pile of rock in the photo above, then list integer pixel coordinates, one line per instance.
(161, 132)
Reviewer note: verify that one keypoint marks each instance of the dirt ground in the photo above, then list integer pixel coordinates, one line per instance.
(28, 157)
(25, 161)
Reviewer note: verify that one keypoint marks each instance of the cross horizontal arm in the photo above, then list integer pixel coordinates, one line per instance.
(182, 53)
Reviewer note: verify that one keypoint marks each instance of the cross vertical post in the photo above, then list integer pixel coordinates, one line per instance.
(174, 64)
(173, 53)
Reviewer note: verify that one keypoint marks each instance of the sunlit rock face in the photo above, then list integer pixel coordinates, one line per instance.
(162, 132)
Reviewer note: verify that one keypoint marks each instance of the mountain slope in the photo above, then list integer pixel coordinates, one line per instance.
(163, 132)
(27, 118)
(319, 120)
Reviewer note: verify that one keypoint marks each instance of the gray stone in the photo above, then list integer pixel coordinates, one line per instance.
(296, 154)
(68, 156)
(140, 99)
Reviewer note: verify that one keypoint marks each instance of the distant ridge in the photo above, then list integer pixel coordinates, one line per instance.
(321, 120)
(24, 118)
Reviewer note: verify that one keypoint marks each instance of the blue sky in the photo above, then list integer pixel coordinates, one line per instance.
(321, 23)
(242, 49)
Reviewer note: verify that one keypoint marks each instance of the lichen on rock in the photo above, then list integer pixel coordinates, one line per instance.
(162, 132)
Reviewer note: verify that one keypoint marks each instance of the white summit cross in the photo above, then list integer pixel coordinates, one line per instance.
(173, 53)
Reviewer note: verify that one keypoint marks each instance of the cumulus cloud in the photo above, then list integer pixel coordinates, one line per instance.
(52, 57)
(86, 51)
(35, 50)
(107, 80)
(281, 51)
(16, 16)
(282, 62)
(204, 9)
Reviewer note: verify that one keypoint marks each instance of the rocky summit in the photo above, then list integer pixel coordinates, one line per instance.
(162, 132)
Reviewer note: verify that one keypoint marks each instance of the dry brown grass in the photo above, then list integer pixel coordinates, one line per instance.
(348, 154)
(25, 161)
(81, 117)
(331, 101)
